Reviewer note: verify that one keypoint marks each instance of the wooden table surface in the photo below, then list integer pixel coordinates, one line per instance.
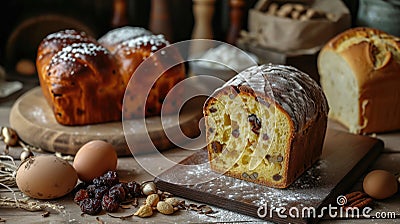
(128, 168)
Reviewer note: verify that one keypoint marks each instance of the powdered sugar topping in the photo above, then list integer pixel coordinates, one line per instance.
(299, 95)
(122, 34)
(78, 50)
(67, 35)
(155, 41)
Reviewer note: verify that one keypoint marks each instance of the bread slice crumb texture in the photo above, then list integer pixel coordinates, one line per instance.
(248, 137)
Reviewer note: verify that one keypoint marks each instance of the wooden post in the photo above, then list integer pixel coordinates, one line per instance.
(203, 11)
(236, 20)
(160, 22)
(120, 17)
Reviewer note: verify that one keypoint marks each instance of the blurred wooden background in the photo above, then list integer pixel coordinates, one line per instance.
(97, 16)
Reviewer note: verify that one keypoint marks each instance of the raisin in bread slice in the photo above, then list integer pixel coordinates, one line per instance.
(266, 125)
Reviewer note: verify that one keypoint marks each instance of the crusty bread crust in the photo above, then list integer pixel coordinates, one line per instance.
(374, 59)
(79, 79)
(85, 83)
(304, 130)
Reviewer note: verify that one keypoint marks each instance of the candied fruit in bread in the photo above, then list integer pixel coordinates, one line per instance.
(266, 125)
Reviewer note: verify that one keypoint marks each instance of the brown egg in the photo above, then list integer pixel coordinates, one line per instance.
(94, 159)
(46, 177)
(380, 184)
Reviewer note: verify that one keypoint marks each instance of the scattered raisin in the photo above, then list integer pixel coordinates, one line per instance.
(236, 88)
(90, 206)
(91, 189)
(133, 189)
(110, 178)
(274, 159)
(100, 191)
(255, 123)
(277, 177)
(235, 133)
(109, 203)
(254, 175)
(99, 181)
(216, 146)
(80, 196)
(81, 185)
(105, 192)
(211, 130)
(213, 110)
(117, 192)
(265, 137)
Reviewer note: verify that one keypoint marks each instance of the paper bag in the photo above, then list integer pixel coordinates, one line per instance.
(290, 35)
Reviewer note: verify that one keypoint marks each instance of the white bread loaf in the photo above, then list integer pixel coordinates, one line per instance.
(360, 75)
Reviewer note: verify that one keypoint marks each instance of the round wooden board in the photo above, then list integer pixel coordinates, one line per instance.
(34, 122)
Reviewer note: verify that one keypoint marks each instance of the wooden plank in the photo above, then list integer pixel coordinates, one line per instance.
(343, 160)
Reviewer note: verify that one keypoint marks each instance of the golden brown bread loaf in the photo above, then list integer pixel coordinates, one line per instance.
(130, 53)
(50, 46)
(360, 75)
(85, 83)
(83, 86)
(266, 125)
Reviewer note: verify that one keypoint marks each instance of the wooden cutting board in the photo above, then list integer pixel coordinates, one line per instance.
(344, 158)
(34, 121)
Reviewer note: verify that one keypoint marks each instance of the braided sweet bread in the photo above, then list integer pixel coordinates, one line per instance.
(84, 80)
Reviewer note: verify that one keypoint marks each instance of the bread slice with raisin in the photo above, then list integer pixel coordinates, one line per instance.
(266, 125)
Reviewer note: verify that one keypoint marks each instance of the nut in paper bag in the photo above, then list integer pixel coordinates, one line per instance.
(287, 27)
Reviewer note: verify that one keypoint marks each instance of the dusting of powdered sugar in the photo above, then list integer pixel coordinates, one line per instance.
(65, 35)
(308, 190)
(155, 41)
(302, 190)
(122, 34)
(296, 92)
(78, 50)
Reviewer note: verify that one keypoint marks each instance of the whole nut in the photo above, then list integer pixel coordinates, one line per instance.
(149, 188)
(295, 15)
(25, 155)
(287, 7)
(314, 14)
(165, 208)
(273, 8)
(144, 211)
(303, 18)
(330, 16)
(10, 136)
(173, 201)
(152, 200)
(299, 7)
